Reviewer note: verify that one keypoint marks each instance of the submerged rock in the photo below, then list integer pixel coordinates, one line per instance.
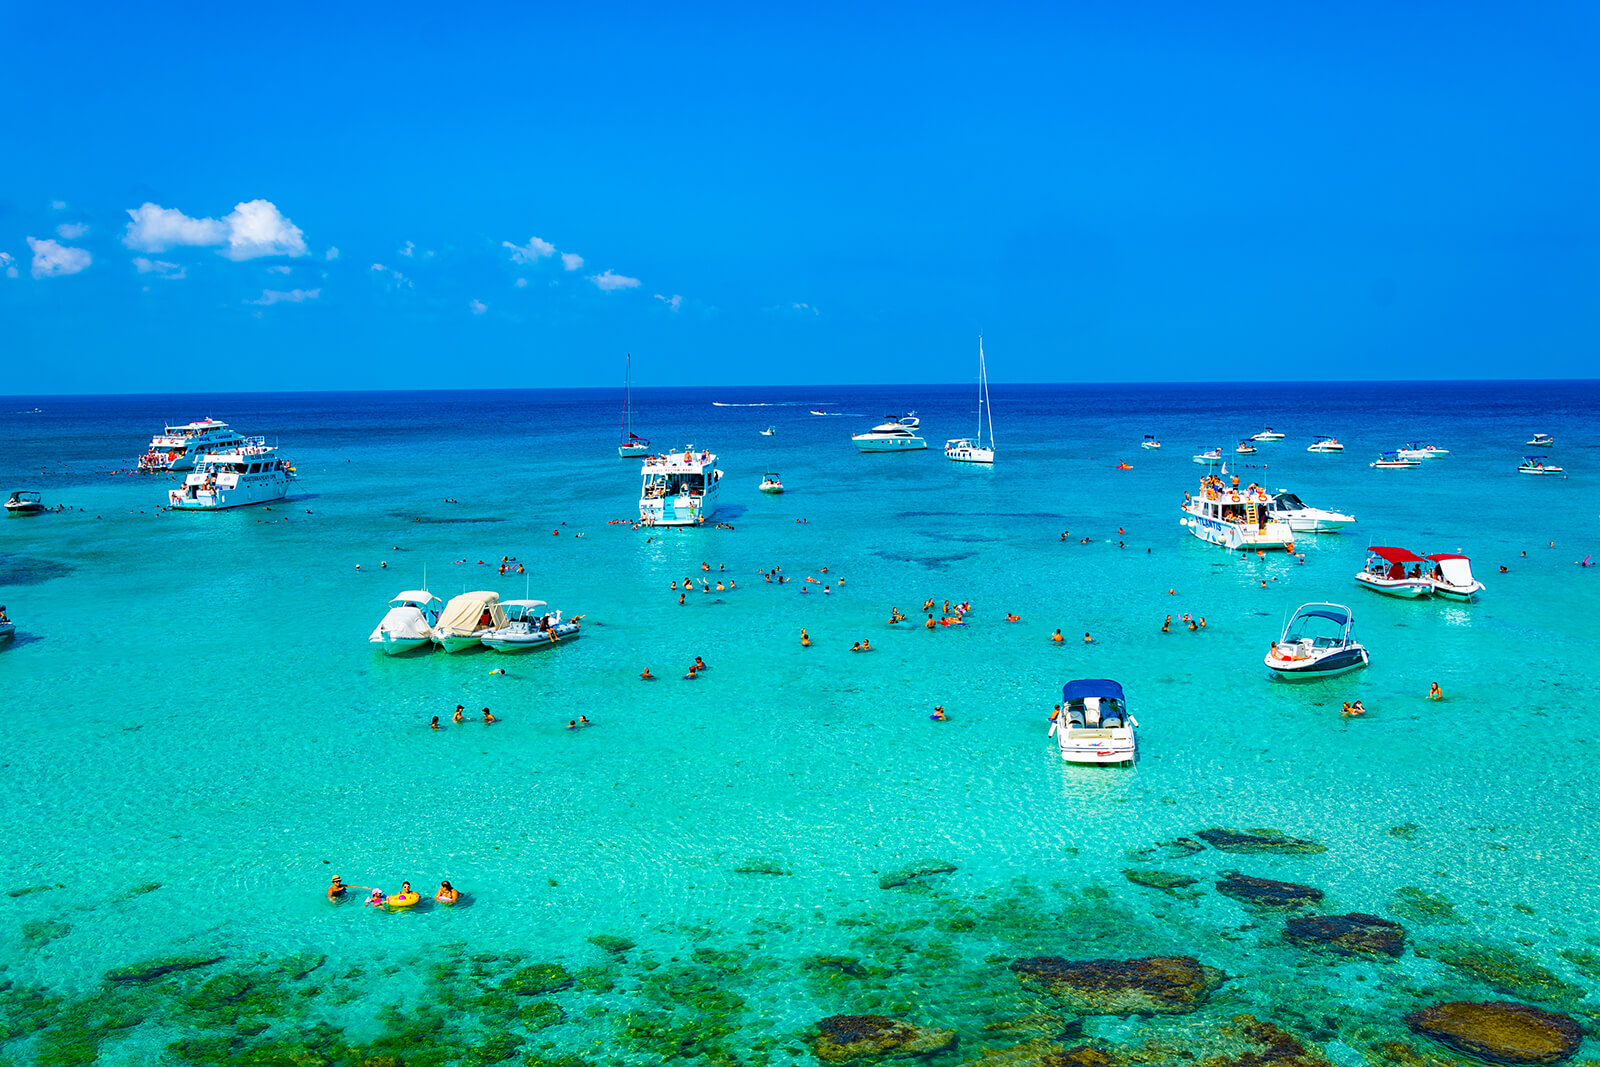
(1506, 971)
(612, 943)
(1348, 935)
(849, 1037)
(1265, 893)
(1039, 1052)
(1175, 849)
(31, 889)
(1162, 985)
(1420, 906)
(152, 969)
(759, 865)
(1162, 880)
(1265, 1045)
(1499, 1031)
(538, 979)
(1257, 839)
(911, 874)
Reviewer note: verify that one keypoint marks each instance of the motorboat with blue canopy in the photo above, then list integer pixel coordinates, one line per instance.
(1093, 724)
(1317, 643)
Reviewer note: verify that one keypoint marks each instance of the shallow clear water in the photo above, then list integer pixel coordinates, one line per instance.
(191, 701)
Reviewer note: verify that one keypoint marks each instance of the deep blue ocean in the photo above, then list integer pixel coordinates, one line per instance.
(199, 735)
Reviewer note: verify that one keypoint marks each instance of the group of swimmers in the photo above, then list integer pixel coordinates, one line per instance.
(461, 716)
(1190, 621)
(405, 898)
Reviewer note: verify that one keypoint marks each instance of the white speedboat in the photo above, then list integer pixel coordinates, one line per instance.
(1386, 573)
(1323, 443)
(1417, 451)
(24, 502)
(530, 624)
(1210, 457)
(771, 483)
(891, 435)
(1094, 725)
(631, 446)
(1150, 442)
(409, 623)
(1542, 440)
(970, 449)
(1269, 434)
(1286, 507)
(178, 448)
(1452, 577)
(1245, 447)
(1235, 518)
(1393, 460)
(465, 620)
(1317, 643)
(769, 431)
(679, 488)
(1537, 465)
(248, 473)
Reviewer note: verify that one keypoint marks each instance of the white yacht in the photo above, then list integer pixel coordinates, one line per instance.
(769, 431)
(1094, 725)
(771, 483)
(1386, 573)
(465, 620)
(1210, 457)
(178, 447)
(1302, 518)
(1150, 442)
(632, 445)
(1317, 643)
(679, 489)
(1269, 434)
(248, 473)
(24, 502)
(1235, 518)
(409, 623)
(1537, 465)
(974, 450)
(530, 624)
(1245, 447)
(1324, 443)
(891, 435)
(1452, 577)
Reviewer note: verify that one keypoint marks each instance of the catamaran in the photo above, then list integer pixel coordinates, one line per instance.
(966, 449)
(632, 445)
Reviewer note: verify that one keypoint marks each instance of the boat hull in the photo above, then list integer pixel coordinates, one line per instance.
(890, 444)
(7, 629)
(1406, 588)
(632, 451)
(528, 642)
(24, 511)
(970, 455)
(1318, 524)
(1341, 661)
(458, 642)
(1152, 445)
(1232, 537)
(1092, 746)
(394, 646)
(1326, 448)
(1457, 592)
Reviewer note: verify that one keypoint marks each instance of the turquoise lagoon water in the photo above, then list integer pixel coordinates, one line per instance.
(198, 735)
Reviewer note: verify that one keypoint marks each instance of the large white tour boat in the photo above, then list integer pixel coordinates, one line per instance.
(177, 448)
(1236, 518)
(891, 435)
(680, 488)
(1093, 725)
(244, 474)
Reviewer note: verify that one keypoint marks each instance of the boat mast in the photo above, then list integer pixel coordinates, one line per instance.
(984, 407)
(627, 401)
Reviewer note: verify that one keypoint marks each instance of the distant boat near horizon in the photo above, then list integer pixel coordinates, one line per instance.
(632, 445)
(974, 450)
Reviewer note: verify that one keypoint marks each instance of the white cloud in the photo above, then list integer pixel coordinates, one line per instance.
(805, 307)
(332, 253)
(8, 264)
(478, 307)
(674, 301)
(293, 296)
(395, 278)
(279, 269)
(157, 266)
(58, 205)
(521, 283)
(611, 280)
(535, 250)
(54, 260)
(252, 229)
(571, 260)
(71, 231)
(409, 249)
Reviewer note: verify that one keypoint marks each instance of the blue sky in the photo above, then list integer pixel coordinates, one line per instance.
(226, 197)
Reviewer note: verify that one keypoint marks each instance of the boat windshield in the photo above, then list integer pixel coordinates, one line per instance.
(1324, 626)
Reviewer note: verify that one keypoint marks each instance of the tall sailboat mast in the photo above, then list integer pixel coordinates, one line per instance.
(985, 409)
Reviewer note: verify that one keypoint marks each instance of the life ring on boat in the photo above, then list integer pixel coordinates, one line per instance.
(403, 900)
(1236, 498)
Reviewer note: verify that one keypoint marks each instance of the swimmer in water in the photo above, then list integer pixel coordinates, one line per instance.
(856, 647)
(488, 716)
(460, 715)
(1087, 639)
(1435, 693)
(337, 889)
(583, 720)
(929, 624)
(447, 894)
(498, 670)
(375, 900)
(700, 664)
(805, 638)
(572, 724)
(1056, 637)
(434, 725)
(866, 644)
(646, 675)
(938, 713)
(1166, 625)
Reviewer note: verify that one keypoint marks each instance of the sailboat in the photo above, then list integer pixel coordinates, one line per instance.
(632, 445)
(966, 449)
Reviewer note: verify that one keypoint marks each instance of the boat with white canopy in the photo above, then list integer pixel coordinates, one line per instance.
(1268, 434)
(530, 624)
(1317, 643)
(1094, 725)
(409, 623)
(1386, 572)
(1324, 443)
(1452, 577)
(974, 450)
(465, 620)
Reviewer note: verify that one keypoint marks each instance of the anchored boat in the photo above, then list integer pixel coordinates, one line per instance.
(24, 502)
(530, 624)
(465, 620)
(1317, 643)
(1093, 725)
(248, 473)
(1324, 443)
(409, 623)
(631, 445)
(1302, 518)
(1233, 517)
(891, 435)
(679, 489)
(974, 450)
(1452, 577)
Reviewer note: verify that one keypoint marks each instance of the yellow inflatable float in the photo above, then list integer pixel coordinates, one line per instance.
(407, 897)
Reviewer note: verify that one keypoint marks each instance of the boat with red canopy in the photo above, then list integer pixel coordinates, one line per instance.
(1395, 572)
